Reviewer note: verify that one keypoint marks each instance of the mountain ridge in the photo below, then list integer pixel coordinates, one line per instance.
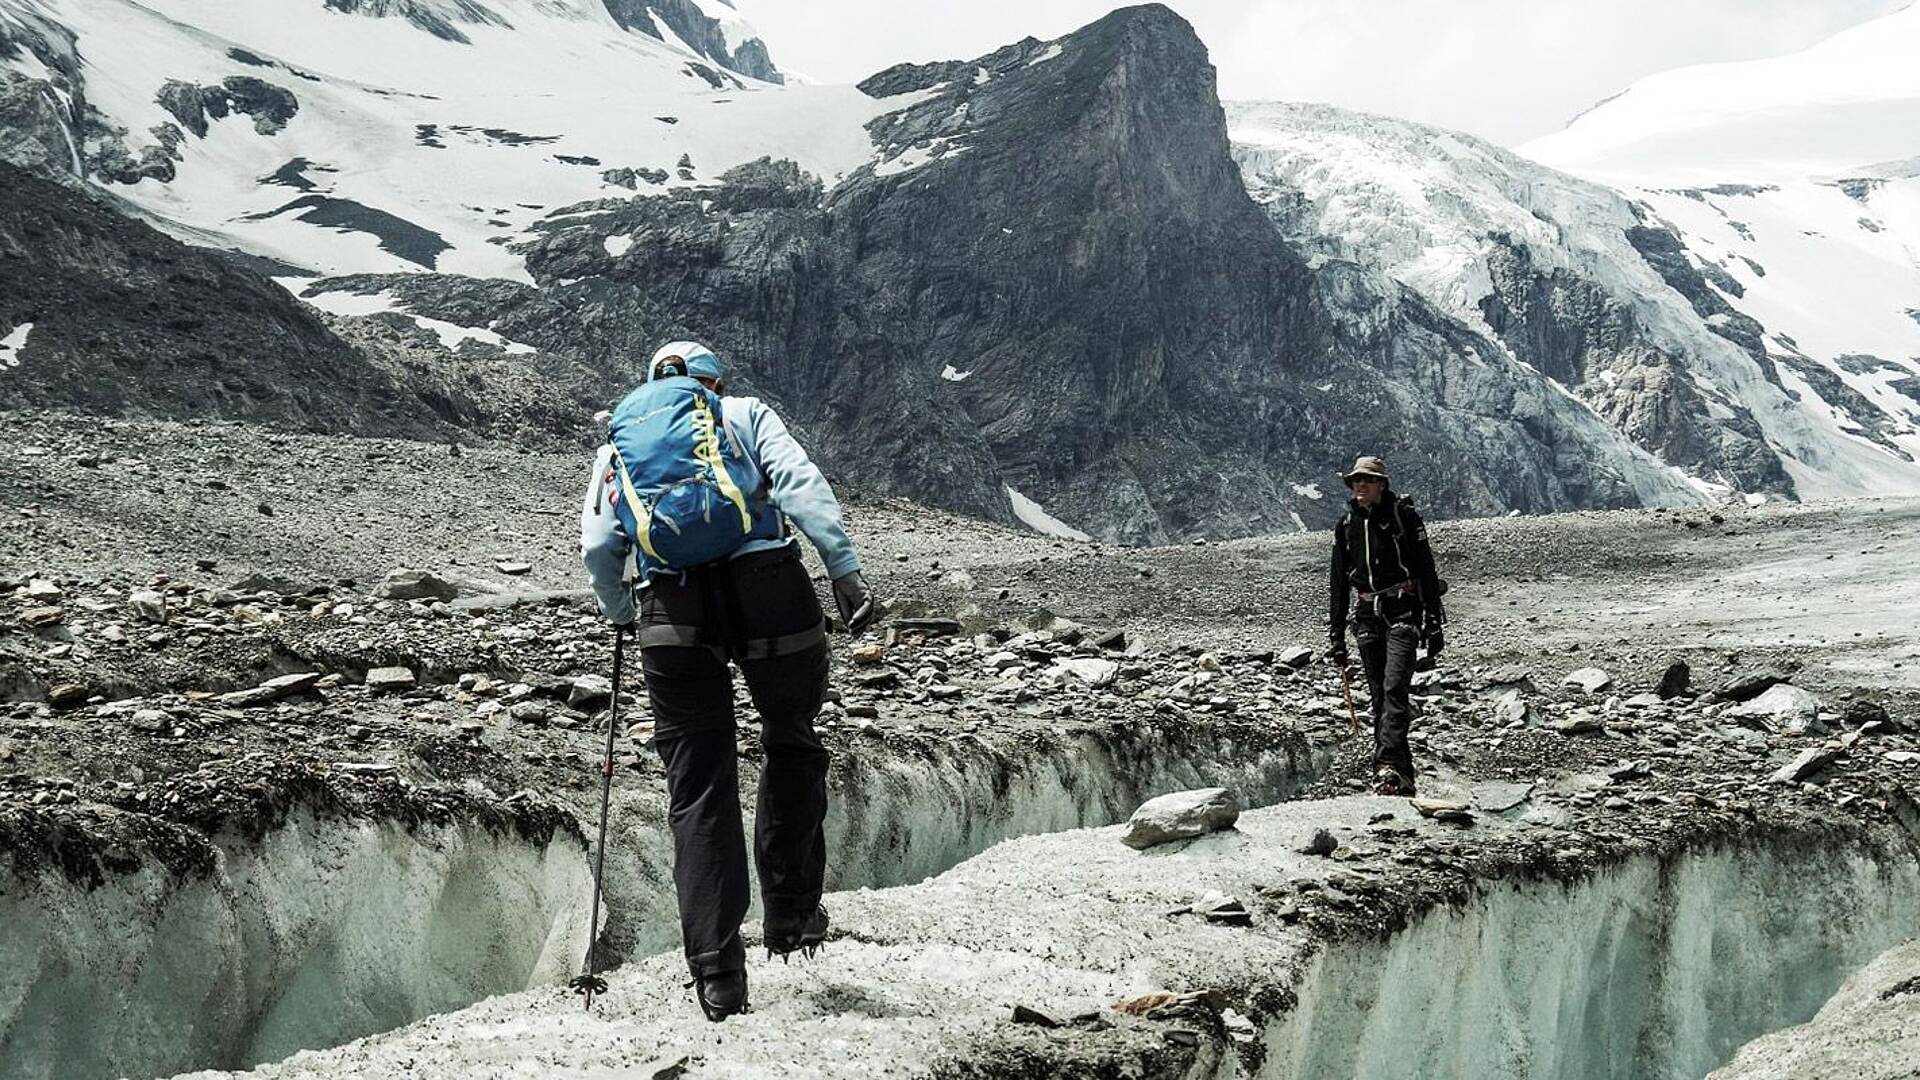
(1037, 278)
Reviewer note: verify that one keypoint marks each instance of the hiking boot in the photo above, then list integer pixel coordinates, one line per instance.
(1388, 781)
(787, 934)
(721, 995)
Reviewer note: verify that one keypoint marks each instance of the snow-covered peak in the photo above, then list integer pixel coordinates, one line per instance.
(1794, 183)
(1417, 200)
(1553, 265)
(1847, 105)
(733, 25)
(382, 135)
(434, 47)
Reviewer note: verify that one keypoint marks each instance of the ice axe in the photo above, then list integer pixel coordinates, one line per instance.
(587, 984)
(1346, 686)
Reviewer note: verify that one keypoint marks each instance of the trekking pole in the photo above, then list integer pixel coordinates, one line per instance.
(589, 984)
(1346, 684)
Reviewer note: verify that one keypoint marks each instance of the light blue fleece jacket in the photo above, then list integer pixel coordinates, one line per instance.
(778, 471)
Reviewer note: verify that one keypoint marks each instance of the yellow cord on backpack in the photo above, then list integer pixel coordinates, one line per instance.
(642, 517)
(706, 450)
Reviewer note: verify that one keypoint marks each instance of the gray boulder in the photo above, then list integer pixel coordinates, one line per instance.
(390, 680)
(415, 585)
(1182, 815)
(1748, 685)
(1587, 680)
(1510, 708)
(272, 690)
(1091, 670)
(1805, 764)
(590, 692)
(1782, 706)
(148, 605)
(1321, 842)
(1676, 681)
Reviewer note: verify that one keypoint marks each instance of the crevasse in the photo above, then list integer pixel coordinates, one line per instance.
(1656, 968)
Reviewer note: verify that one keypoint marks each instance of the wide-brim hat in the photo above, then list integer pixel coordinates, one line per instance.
(1366, 466)
(701, 363)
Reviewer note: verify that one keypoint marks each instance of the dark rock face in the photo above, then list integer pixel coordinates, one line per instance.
(1665, 254)
(397, 235)
(54, 132)
(1668, 257)
(1055, 281)
(270, 106)
(702, 31)
(130, 322)
(1869, 420)
(39, 128)
(427, 17)
(1573, 330)
(35, 127)
(194, 106)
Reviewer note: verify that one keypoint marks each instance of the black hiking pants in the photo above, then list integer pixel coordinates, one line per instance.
(1387, 636)
(761, 612)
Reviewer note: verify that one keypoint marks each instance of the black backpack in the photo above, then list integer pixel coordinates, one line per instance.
(1400, 504)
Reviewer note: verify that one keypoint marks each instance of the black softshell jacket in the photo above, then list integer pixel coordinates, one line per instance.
(1378, 549)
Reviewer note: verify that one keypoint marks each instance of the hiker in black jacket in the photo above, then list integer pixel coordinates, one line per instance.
(1381, 556)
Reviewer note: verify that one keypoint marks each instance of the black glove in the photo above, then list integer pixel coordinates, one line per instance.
(855, 601)
(1436, 640)
(1337, 651)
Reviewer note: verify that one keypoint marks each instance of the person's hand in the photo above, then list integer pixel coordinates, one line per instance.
(1436, 640)
(1337, 653)
(855, 601)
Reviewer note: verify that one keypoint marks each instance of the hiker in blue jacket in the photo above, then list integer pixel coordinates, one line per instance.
(748, 600)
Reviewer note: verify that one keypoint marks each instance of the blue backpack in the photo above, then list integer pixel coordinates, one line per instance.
(678, 470)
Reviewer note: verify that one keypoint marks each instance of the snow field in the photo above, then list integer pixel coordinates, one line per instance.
(1035, 517)
(325, 931)
(464, 141)
(451, 335)
(11, 345)
(1846, 102)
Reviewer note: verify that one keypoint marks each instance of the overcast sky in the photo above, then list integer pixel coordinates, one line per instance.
(1508, 70)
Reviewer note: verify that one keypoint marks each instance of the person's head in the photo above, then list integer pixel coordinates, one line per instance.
(1367, 480)
(689, 358)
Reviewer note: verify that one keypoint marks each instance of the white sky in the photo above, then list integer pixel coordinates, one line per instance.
(1508, 70)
